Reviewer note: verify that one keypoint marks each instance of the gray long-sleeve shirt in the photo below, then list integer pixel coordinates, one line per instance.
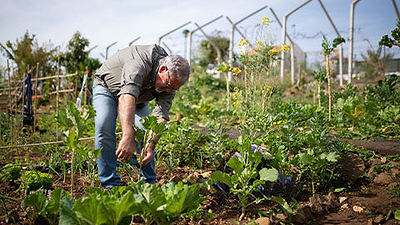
(132, 71)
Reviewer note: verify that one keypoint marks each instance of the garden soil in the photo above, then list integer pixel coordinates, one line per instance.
(368, 201)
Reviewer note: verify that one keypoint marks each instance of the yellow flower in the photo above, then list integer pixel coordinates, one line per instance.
(265, 21)
(242, 42)
(259, 44)
(285, 48)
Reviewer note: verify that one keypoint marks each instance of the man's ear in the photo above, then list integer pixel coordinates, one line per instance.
(162, 69)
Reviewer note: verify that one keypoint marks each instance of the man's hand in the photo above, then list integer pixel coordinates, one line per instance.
(126, 114)
(148, 154)
(126, 149)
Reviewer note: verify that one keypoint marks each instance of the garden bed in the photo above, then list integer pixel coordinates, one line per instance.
(368, 201)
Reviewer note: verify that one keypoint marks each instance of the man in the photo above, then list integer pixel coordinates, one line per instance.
(123, 86)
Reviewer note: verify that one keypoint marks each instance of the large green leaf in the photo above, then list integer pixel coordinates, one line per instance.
(37, 200)
(150, 123)
(154, 199)
(235, 164)
(331, 156)
(53, 205)
(283, 203)
(113, 210)
(67, 216)
(221, 177)
(268, 174)
(397, 214)
(86, 208)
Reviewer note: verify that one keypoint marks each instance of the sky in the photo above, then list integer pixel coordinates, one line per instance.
(104, 22)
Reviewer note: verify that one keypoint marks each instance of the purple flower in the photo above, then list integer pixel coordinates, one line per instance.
(237, 155)
(261, 150)
(257, 148)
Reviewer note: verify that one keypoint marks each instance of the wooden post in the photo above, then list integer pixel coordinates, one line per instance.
(23, 99)
(76, 93)
(11, 101)
(85, 87)
(299, 76)
(57, 91)
(35, 94)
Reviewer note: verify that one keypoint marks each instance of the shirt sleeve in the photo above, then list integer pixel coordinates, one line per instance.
(163, 105)
(132, 77)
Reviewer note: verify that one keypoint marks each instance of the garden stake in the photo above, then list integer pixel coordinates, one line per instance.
(35, 94)
(329, 88)
(57, 94)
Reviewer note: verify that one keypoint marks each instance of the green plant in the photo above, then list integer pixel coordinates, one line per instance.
(354, 108)
(161, 205)
(327, 51)
(181, 145)
(10, 172)
(395, 190)
(245, 177)
(151, 128)
(9, 218)
(32, 180)
(318, 165)
(49, 209)
(321, 78)
(75, 124)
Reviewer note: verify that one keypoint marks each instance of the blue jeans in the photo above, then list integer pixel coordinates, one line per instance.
(106, 107)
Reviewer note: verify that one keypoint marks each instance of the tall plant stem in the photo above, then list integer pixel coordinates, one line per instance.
(329, 87)
(319, 94)
(72, 170)
(245, 82)
(227, 91)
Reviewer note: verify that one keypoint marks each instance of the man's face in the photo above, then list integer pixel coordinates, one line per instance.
(165, 82)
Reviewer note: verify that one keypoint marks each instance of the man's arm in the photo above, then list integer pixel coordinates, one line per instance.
(126, 114)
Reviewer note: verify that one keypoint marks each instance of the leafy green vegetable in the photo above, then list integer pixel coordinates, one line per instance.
(245, 177)
(33, 180)
(10, 172)
(49, 209)
(162, 205)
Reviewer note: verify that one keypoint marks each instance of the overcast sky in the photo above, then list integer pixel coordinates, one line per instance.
(104, 22)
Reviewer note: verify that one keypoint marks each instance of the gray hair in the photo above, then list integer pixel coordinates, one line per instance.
(178, 66)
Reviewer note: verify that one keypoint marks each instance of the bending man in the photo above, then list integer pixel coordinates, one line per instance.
(123, 86)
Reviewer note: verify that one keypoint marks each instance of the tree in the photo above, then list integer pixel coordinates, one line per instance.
(74, 59)
(208, 54)
(374, 63)
(26, 53)
(394, 41)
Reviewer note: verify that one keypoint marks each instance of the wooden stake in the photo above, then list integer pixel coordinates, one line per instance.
(35, 94)
(58, 95)
(11, 101)
(329, 87)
